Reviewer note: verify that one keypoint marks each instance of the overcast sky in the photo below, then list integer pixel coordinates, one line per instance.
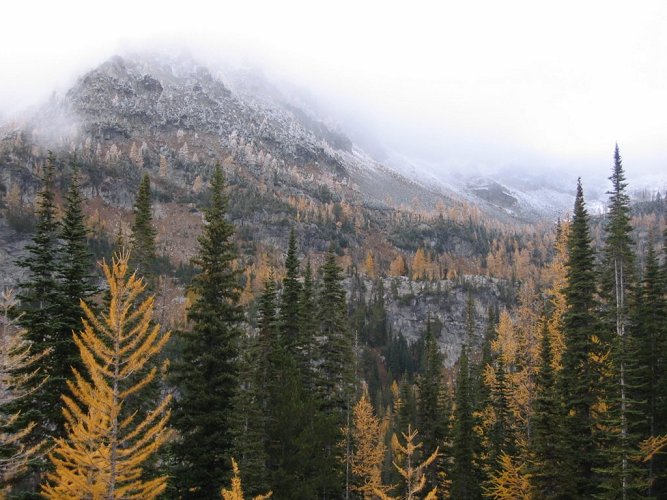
(493, 84)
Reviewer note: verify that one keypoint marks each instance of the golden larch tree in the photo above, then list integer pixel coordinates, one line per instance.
(412, 473)
(236, 491)
(510, 482)
(369, 450)
(103, 452)
(17, 380)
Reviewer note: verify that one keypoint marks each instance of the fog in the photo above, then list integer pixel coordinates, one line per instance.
(482, 87)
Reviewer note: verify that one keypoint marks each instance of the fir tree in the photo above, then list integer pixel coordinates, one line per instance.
(308, 326)
(249, 418)
(142, 240)
(432, 414)
(289, 304)
(619, 438)
(465, 482)
(650, 330)
(579, 378)
(336, 370)
(41, 315)
(74, 272)
(206, 376)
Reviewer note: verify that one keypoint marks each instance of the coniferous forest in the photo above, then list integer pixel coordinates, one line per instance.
(289, 382)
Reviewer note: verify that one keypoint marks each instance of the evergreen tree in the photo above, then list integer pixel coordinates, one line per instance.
(41, 316)
(432, 416)
(465, 481)
(336, 348)
(142, 240)
(249, 418)
(336, 368)
(619, 439)
(546, 435)
(206, 375)
(308, 329)
(650, 330)
(579, 379)
(74, 271)
(289, 304)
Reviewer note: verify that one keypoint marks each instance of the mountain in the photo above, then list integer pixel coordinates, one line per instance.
(287, 166)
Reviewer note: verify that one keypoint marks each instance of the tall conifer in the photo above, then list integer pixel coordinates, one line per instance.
(41, 315)
(579, 378)
(142, 240)
(206, 376)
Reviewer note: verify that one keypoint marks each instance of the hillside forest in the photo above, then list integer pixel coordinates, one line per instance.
(217, 353)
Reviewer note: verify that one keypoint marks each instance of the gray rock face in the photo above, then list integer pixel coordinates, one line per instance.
(409, 304)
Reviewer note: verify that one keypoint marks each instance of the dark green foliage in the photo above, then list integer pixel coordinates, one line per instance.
(618, 440)
(432, 416)
(465, 477)
(336, 341)
(546, 436)
(42, 317)
(580, 379)
(650, 332)
(142, 240)
(249, 420)
(206, 375)
(308, 327)
(289, 304)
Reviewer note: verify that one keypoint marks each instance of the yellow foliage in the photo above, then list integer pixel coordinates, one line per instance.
(652, 446)
(413, 474)
(104, 450)
(369, 265)
(16, 377)
(369, 450)
(397, 266)
(236, 491)
(511, 482)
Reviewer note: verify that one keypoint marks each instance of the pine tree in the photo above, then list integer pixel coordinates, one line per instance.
(142, 240)
(207, 374)
(103, 453)
(579, 378)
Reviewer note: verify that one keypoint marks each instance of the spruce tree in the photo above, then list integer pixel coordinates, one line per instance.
(142, 240)
(206, 375)
(308, 329)
(579, 381)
